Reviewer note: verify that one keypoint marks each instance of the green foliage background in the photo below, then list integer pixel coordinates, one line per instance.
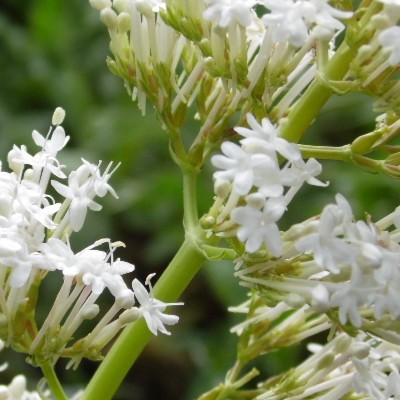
(52, 53)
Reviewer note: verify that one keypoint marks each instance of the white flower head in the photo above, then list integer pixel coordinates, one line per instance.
(390, 39)
(54, 144)
(226, 12)
(296, 20)
(258, 226)
(237, 165)
(264, 137)
(152, 309)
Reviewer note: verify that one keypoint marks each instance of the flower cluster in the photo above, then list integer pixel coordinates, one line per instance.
(218, 55)
(341, 266)
(358, 365)
(365, 367)
(17, 388)
(35, 232)
(377, 60)
(252, 173)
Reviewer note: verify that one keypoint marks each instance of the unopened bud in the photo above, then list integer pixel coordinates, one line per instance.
(365, 143)
(222, 188)
(360, 350)
(109, 18)
(90, 312)
(126, 299)
(58, 116)
(207, 221)
(100, 4)
(326, 360)
(342, 343)
(122, 6)
(144, 8)
(124, 22)
(295, 300)
(129, 316)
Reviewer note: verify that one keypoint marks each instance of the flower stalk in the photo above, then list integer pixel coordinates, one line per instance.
(127, 348)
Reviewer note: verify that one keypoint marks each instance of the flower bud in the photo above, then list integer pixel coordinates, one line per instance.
(128, 316)
(109, 18)
(122, 6)
(100, 4)
(90, 312)
(365, 143)
(58, 116)
(124, 22)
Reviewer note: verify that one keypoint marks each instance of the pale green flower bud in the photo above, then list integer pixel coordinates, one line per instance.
(58, 116)
(128, 316)
(144, 8)
(109, 18)
(121, 6)
(90, 312)
(100, 4)
(124, 22)
(360, 350)
(326, 360)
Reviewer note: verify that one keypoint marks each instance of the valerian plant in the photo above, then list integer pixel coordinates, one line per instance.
(255, 74)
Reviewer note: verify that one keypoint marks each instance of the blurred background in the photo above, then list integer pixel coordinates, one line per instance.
(52, 53)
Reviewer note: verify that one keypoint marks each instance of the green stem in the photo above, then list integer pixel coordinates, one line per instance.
(308, 107)
(342, 153)
(134, 338)
(53, 382)
(190, 218)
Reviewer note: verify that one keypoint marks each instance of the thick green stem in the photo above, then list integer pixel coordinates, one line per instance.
(134, 338)
(190, 218)
(53, 382)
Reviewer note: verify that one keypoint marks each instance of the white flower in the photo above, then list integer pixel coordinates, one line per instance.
(14, 253)
(18, 157)
(53, 145)
(100, 182)
(330, 252)
(295, 20)
(237, 165)
(390, 2)
(377, 375)
(390, 39)
(89, 265)
(259, 226)
(80, 193)
(58, 255)
(307, 171)
(16, 390)
(265, 138)
(226, 12)
(152, 310)
(34, 205)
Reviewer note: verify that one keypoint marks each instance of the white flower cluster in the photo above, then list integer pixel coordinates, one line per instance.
(363, 366)
(359, 265)
(34, 239)
(341, 265)
(378, 60)
(358, 366)
(294, 20)
(17, 388)
(172, 52)
(251, 171)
